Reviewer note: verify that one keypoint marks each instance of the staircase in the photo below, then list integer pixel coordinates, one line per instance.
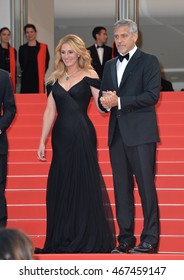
(27, 177)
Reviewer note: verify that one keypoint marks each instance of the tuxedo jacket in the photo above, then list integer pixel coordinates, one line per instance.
(139, 91)
(8, 109)
(96, 61)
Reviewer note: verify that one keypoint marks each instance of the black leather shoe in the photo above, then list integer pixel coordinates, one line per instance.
(144, 248)
(37, 251)
(40, 251)
(123, 248)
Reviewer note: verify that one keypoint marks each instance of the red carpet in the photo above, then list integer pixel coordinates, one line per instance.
(27, 176)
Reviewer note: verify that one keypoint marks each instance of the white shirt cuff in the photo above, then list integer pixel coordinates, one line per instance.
(119, 104)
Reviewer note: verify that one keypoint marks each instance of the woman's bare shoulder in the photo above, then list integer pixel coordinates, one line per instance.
(92, 74)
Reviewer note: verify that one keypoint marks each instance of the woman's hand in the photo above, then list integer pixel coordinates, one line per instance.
(41, 152)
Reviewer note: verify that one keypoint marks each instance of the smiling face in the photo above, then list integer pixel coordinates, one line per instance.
(30, 34)
(102, 37)
(5, 36)
(124, 39)
(69, 57)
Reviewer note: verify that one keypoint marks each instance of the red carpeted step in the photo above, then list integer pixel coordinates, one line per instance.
(26, 211)
(27, 120)
(30, 155)
(31, 109)
(170, 106)
(26, 181)
(38, 211)
(26, 168)
(40, 181)
(38, 168)
(171, 244)
(112, 257)
(31, 142)
(172, 141)
(164, 167)
(166, 211)
(101, 130)
(171, 96)
(171, 129)
(170, 181)
(171, 154)
(26, 155)
(26, 142)
(30, 98)
(37, 118)
(164, 106)
(26, 196)
(38, 227)
(176, 245)
(170, 118)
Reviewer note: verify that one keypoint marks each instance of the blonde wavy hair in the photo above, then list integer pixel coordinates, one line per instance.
(78, 46)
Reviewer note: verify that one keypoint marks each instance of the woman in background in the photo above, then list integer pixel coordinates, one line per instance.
(8, 55)
(34, 61)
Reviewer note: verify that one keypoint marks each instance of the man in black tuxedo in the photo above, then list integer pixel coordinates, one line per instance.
(130, 89)
(8, 111)
(100, 53)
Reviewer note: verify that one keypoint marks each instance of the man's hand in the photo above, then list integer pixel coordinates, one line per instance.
(109, 99)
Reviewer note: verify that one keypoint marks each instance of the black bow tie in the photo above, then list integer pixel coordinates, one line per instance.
(100, 46)
(121, 57)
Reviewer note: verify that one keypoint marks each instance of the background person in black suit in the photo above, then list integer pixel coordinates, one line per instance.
(131, 89)
(166, 85)
(100, 53)
(7, 114)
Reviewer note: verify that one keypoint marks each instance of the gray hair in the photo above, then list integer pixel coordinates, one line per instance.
(127, 22)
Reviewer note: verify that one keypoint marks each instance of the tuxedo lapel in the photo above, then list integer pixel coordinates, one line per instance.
(114, 74)
(94, 55)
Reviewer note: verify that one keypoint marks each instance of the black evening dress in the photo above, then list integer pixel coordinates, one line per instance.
(76, 220)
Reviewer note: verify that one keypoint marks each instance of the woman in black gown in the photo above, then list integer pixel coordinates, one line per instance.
(76, 221)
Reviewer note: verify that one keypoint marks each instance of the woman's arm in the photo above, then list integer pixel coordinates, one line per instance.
(95, 91)
(48, 118)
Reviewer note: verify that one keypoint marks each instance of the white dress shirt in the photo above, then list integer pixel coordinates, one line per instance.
(120, 67)
(100, 52)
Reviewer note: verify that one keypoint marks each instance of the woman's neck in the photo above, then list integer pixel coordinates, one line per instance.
(4, 45)
(32, 43)
(71, 71)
